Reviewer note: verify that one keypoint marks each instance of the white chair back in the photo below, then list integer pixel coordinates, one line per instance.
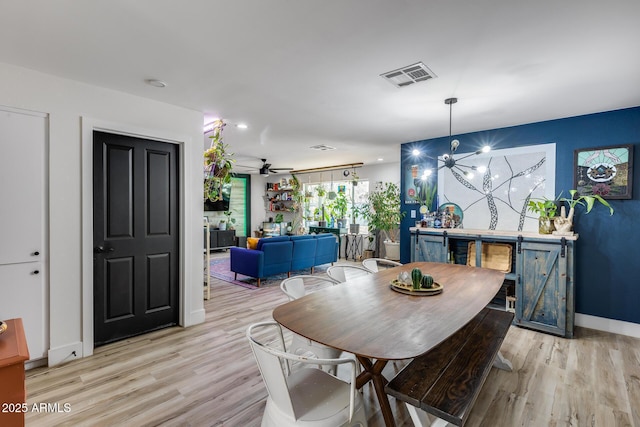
(372, 264)
(266, 341)
(340, 273)
(296, 287)
(274, 371)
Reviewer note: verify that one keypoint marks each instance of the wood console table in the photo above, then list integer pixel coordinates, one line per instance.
(13, 354)
(542, 270)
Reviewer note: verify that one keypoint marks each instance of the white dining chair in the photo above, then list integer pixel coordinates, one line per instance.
(373, 264)
(341, 272)
(307, 397)
(296, 287)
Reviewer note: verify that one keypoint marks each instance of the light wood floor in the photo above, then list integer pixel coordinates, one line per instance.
(206, 376)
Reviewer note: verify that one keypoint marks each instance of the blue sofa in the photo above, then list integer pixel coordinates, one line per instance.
(284, 254)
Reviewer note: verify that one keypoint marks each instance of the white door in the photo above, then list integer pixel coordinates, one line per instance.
(23, 255)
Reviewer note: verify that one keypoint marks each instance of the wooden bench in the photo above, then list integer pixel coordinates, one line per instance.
(446, 381)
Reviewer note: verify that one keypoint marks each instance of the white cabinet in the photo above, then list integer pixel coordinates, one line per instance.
(22, 295)
(23, 257)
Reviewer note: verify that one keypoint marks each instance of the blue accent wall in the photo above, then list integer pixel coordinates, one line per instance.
(608, 249)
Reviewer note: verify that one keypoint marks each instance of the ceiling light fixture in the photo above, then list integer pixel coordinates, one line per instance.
(448, 160)
(156, 83)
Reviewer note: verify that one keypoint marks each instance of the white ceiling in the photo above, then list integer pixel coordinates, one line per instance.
(303, 73)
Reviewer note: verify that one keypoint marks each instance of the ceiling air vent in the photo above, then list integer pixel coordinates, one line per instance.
(409, 75)
(322, 147)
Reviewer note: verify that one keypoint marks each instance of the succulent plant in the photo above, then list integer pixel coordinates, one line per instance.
(416, 278)
(427, 281)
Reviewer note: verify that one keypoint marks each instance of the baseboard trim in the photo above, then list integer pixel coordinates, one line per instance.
(608, 325)
(197, 317)
(65, 353)
(36, 363)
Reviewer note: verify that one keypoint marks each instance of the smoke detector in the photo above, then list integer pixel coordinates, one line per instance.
(409, 75)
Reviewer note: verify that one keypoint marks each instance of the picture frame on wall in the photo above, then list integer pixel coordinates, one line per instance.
(419, 186)
(604, 171)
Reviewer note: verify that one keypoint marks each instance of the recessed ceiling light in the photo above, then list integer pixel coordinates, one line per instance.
(156, 83)
(380, 159)
(241, 126)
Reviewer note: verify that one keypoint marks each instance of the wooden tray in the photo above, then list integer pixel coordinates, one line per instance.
(496, 256)
(422, 292)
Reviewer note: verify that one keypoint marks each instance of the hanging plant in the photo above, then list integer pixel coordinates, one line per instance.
(218, 163)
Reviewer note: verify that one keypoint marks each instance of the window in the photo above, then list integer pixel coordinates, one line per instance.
(355, 195)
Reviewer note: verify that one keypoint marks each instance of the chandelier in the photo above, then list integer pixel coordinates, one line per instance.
(448, 160)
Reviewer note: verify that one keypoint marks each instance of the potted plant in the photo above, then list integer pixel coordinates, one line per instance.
(230, 221)
(546, 210)
(564, 222)
(354, 227)
(340, 206)
(218, 164)
(298, 206)
(382, 211)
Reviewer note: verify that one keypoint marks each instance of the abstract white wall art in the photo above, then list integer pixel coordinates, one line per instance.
(497, 199)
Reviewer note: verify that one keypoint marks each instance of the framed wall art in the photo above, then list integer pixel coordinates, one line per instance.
(497, 199)
(605, 171)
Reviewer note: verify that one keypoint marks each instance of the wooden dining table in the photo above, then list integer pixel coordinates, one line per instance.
(365, 317)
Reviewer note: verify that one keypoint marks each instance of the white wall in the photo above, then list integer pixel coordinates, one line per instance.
(69, 104)
(385, 172)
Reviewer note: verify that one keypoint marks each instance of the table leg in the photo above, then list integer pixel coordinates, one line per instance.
(373, 372)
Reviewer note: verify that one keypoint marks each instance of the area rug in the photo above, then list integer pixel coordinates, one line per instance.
(220, 269)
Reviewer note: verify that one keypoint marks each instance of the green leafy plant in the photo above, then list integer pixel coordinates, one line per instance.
(321, 190)
(340, 206)
(587, 201)
(230, 220)
(218, 164)
(297, 207)
(382, 209)
(544, 208)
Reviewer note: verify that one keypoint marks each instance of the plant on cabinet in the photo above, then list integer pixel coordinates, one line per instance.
(546, 210)
(564, 223)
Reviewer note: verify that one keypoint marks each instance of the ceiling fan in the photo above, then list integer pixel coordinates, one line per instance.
(266, 168)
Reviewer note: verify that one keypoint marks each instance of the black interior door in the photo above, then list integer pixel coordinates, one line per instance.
(135, 223)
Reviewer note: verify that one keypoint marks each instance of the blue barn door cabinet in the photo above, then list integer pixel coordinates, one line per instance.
(542, 270)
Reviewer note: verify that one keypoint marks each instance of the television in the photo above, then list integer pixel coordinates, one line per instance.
(220, 205)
